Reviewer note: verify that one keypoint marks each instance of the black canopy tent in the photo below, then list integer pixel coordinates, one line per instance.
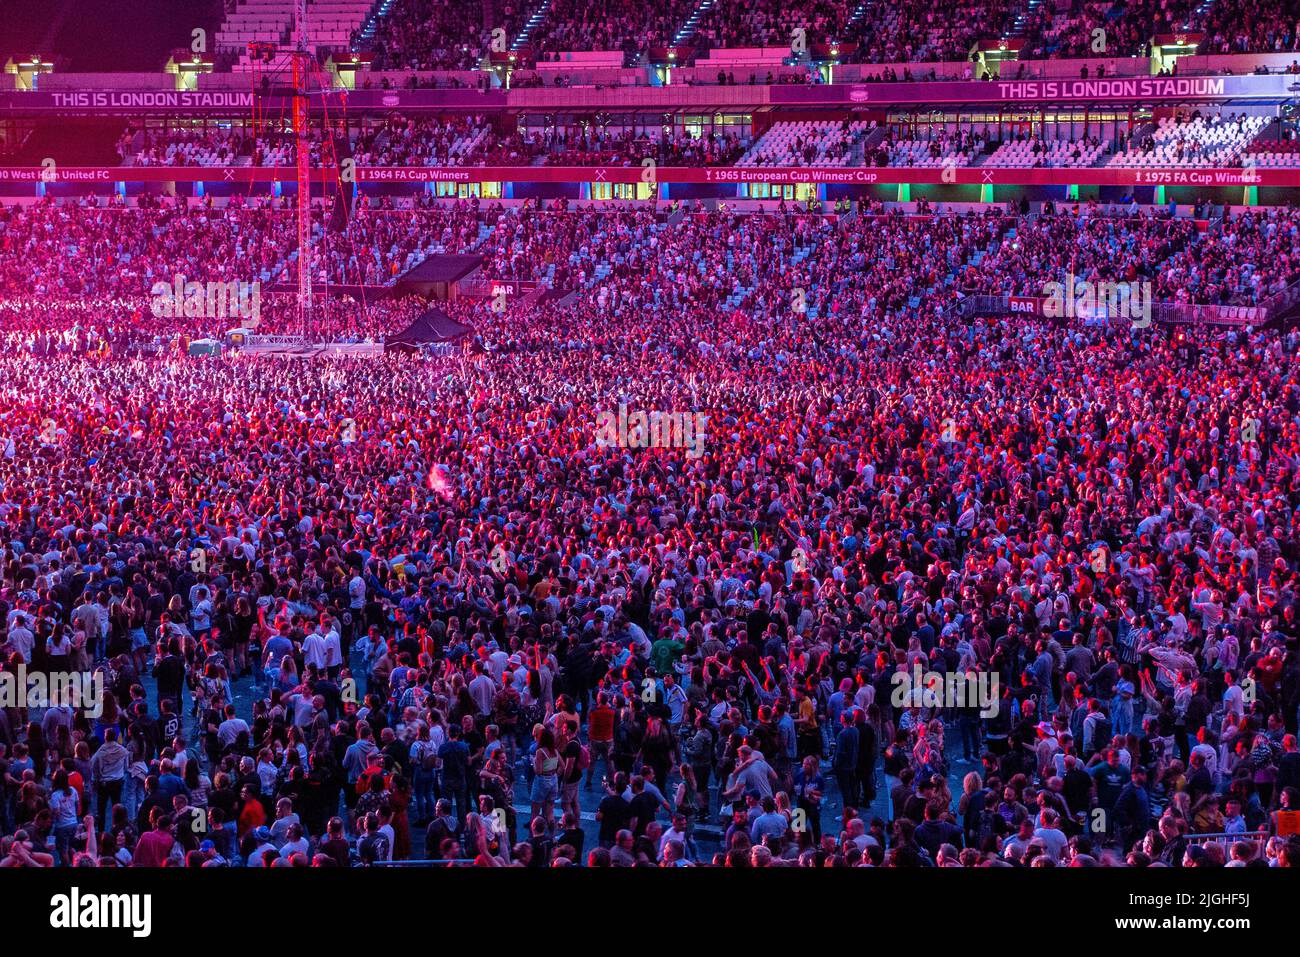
(431, 327)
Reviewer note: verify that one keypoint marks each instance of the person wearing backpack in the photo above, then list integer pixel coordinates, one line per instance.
(698, 751)
(972, 805)
(506, 709)
(424, 764)
(1096, 729)
(443, 826)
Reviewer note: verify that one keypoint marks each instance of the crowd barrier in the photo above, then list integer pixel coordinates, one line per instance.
(454, 862)
(1168, 313)
(1227, 840)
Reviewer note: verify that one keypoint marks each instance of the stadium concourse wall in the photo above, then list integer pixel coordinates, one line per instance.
(741, 64)
(1049, 93)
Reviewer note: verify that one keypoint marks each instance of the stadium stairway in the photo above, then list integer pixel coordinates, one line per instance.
(364, 39)
(867, 145)
(855, 18)
(687, 29)
(1018, 19)
(535, 20)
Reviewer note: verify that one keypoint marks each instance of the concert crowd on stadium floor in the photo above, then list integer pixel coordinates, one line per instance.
(353, 611)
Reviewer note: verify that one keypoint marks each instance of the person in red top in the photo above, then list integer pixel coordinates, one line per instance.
(154, 848)
(77, 782)
(252, 815)
(600, 734)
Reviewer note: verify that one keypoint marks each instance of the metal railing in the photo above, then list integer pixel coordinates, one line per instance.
(452, 862)
(1226, 839)
(1173, 313)
(1280, 304)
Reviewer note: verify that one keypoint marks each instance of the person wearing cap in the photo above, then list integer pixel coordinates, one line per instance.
(211, 858)
(259, 845)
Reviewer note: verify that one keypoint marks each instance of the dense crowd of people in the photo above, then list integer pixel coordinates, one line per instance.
(439, 141)
(117, 252)
(623, 147)
(1243, 259)
(769, 23)
(917, 32)
(380, 241)
(1129, 28)
(351, 611)
(89, 249)
(443, 141)
(423, 35)
(414, 35)
(626, 25)
(891, 33)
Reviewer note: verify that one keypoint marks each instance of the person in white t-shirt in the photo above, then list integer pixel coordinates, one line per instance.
(21, 640)
(295, 843)
(315, 650)
(1052, 837)
(231, 728)
(1233, 699)
(1208, 751)
(333, 648)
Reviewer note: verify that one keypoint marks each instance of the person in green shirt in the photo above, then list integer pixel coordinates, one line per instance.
(662, 653)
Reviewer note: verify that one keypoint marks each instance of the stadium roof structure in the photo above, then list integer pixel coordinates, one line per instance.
(442, 268)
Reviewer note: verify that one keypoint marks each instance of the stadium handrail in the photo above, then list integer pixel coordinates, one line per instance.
(1226, 837)
(426, 863)
(705, 73)
(1165, 312)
